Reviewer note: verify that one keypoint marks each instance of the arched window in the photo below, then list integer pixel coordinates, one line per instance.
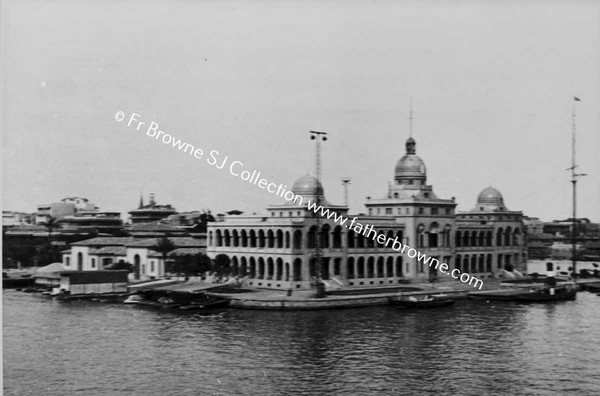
(474, 263)
(421, 235)
(350, 268)
(488, 263)
(473, 238)
(252, 271)
(337, 237)
(389, 267)
(508, 236)
(361, 267)
(458, 262)
(297, 239)
(434, 229)
(380, 267)
(481, 238)
(466, 239)
(481, 267)
(261, 239)
(261, 268)
(252, 238)
(234, 265)
(399, 266)
(79, 261)
(210, 238)
(244, 237)
(279, 238)
(219, 238)
(488, 238)
(297, 268)
(270, 268)
(312, 237)
(243, 266)
(499, 236)
(370, 267)
(324, 242)
(287, 239)
(279, 269)
(270, 239)
(350, 239)
(458, 239)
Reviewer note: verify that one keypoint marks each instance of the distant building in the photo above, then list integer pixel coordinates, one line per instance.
(92, 221)
(66, 207)
(10, 218)
(151, 212)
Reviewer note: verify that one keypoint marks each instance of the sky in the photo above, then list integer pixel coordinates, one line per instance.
(492, 87)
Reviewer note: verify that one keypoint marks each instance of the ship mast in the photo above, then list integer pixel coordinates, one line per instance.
(319, 286)
(574, 178)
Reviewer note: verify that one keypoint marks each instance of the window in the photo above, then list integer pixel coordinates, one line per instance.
(280, 214)
(421, 211)
(434, 211)
(426, 195)
(395, 195)
(378, 211)
(399, 210)
(410, 182)
(447, 211)
(388, 210)
(143, 269)
(152, 266)
(93, 263)
(370, 211)
(68, 262)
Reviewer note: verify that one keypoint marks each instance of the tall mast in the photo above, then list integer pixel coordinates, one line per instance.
(574, 177)
(319, 287)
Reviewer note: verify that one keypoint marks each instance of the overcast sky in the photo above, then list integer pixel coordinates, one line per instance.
(492, 86)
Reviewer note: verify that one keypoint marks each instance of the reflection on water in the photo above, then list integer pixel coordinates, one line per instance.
(89, 348)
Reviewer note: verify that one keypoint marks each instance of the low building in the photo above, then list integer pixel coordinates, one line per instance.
(10, 218)
(92, 282)
(66, 207)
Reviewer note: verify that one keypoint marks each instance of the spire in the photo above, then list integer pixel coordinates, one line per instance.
(410, 118)
(141, 205)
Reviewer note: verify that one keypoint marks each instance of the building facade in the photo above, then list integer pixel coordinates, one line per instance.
(277, 250)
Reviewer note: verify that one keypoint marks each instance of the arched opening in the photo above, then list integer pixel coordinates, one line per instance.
(244, 237)
(434, 230)
(458, 262)
(234, 265)
(261, 239)
(236, 238)
(499, 236)
(252, 271)
(421, 235)
(473, 238)
(488, 238)
(297, 267)
(400, 236)
(219, 238)
(287, 272)
(508, 236)
(270, 239)
(361, 267)
(337, 266)
(389, 267)
(287, 239)
(261, 268)
(481, 267)
(370, 267)
(278, 269)
(337, 237)
(399, 266)
(474, 263)
(466, 239)
(458, 239)
(325, 236)
(252, 238)
(243, 266)
(466, 264)
(481, 238)
(380, 268)
(297, 239)
(79, 261)
(350, 268)
(350, 239)
(360, 241)
(227, 238)
(279, 238)
(312, 237)
(210, 238)
(488, 263)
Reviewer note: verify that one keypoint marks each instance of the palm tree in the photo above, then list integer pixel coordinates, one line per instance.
(51, 224)
(164, 246)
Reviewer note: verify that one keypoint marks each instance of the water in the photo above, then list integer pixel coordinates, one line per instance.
(472, 348)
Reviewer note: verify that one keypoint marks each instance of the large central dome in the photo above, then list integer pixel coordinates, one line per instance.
(411, 166)
(490, 199)
(309, 188)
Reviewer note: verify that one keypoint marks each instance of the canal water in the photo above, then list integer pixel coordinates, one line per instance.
(472, 348)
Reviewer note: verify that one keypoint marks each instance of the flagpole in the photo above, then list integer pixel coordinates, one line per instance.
(574, 177)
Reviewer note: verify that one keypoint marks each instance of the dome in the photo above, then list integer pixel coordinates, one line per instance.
(411, 166)
(490, 196)
(307, 185)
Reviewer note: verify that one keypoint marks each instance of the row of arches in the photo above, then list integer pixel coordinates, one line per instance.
(326, 236)
(504, 237)
(475, 263)
(278, 270)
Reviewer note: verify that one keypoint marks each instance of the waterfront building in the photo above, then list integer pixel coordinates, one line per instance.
(92, 282)
(276, 250)
(151, 212)
(490, 238)
(96, 253)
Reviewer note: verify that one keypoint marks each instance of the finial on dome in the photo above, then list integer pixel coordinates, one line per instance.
(411, 146)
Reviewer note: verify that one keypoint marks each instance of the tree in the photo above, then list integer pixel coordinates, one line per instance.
(51, 224)
(221, 265)
(164, 246)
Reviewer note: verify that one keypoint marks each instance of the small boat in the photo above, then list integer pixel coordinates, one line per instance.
(593, 288)
(497, 295)
(427, 302)
(208, 304)
(545, 295)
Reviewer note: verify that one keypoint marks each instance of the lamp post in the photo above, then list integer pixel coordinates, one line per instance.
(319, 286)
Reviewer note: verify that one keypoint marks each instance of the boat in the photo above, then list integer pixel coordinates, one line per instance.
(593, 288)
(162, 302)
(498, 295)
(427, 302)
(208, 303)
(547, 295)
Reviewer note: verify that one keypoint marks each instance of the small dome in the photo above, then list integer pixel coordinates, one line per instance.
(307, 185)
(410, 166)
(490, 196)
